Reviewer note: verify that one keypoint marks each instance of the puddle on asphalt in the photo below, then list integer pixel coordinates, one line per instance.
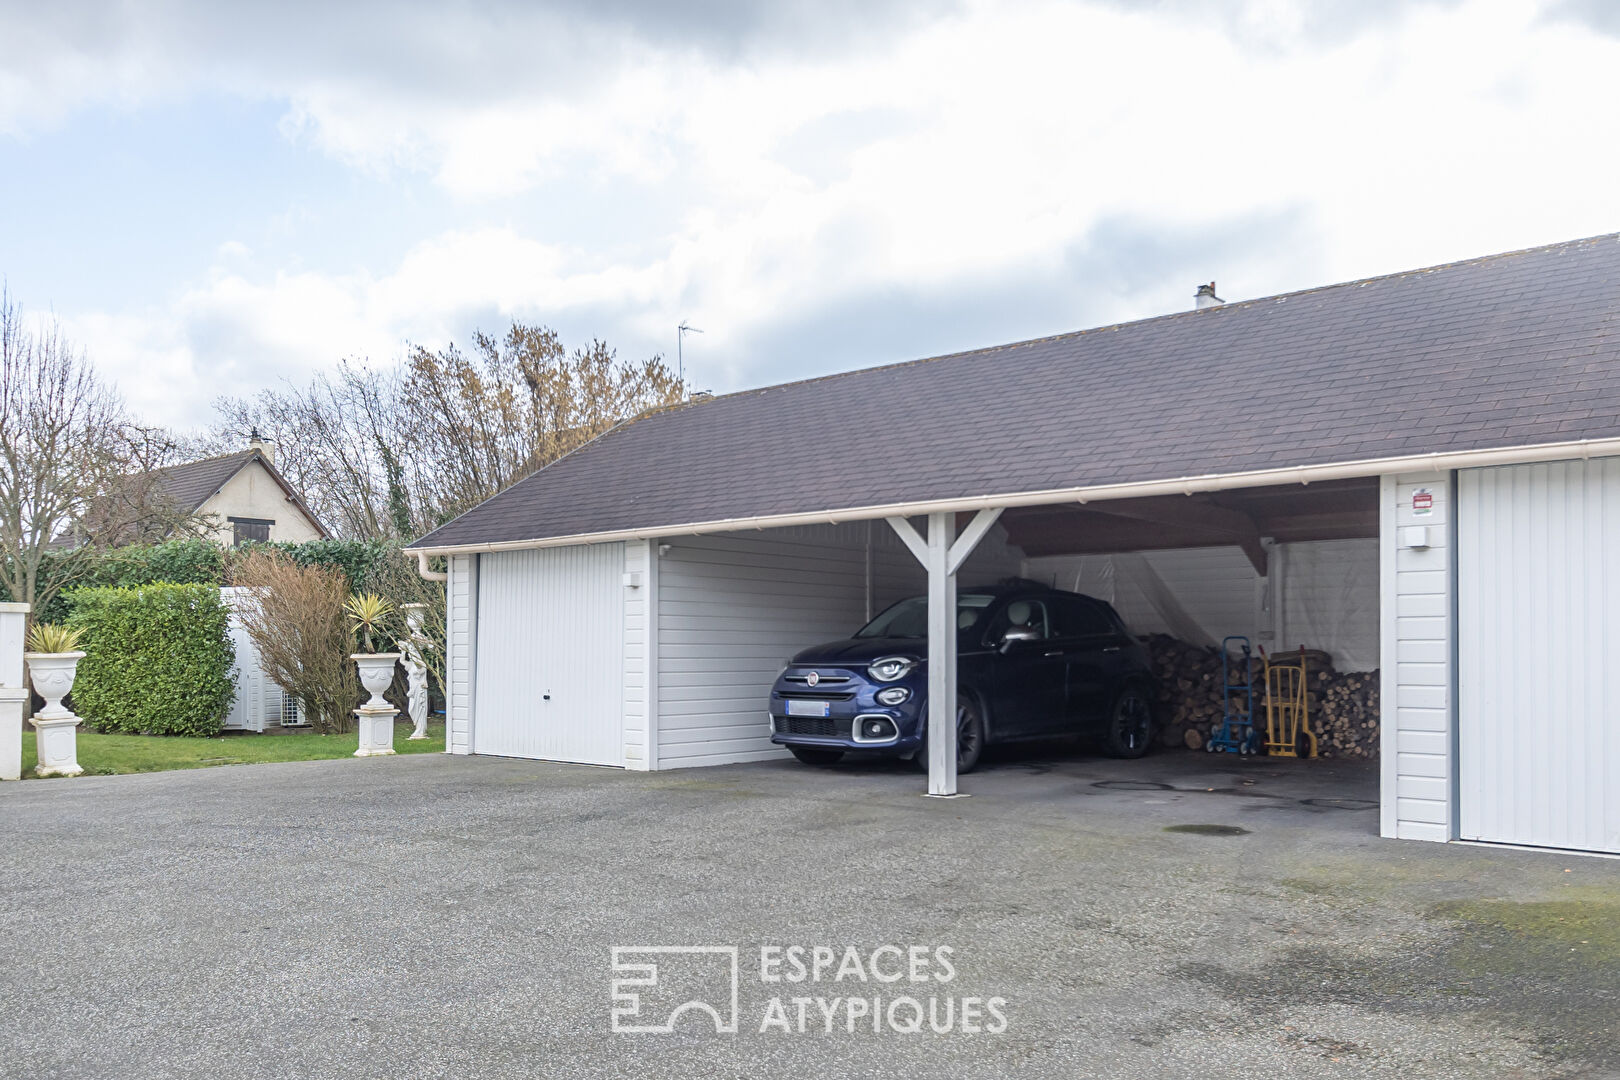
(1208, 830)
(1341, 804)
(1133, 785)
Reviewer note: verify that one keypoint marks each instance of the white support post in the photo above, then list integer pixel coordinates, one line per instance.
(941, 657)
(942, 554)
(13, 688)
(976, 530)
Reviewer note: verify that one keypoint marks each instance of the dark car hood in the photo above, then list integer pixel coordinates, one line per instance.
(862, 650)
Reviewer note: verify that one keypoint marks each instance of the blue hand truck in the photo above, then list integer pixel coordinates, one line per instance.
(1237, 733)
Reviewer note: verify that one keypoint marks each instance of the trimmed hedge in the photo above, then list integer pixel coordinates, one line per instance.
(362, 562)
(186, 562)
(158, 659)
(365, 563)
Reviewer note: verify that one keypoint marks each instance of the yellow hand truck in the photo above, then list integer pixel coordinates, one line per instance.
(1288, 711)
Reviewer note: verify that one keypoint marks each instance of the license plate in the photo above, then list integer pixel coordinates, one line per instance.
(797, 707)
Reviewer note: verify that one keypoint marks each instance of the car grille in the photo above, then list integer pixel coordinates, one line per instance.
(818, 695)
(822, 679)
(823, 727)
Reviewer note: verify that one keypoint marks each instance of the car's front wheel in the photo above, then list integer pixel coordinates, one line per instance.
(1130, 724)
(969, 736)
(813, 755)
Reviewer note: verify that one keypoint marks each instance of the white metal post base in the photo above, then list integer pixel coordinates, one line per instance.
(57, 744)
(376, 730)
(952, 795)
(11, 710)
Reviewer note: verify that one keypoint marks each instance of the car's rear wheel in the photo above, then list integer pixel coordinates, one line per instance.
(814, 755)
(1130, 724)
(969, 736)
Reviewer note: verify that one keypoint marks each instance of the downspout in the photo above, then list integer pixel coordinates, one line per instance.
(429, 575)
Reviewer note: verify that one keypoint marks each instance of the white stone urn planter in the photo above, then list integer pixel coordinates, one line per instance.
(376, 716)
(57, 739)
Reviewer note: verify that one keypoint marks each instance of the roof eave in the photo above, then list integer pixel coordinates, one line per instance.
(1182, 485)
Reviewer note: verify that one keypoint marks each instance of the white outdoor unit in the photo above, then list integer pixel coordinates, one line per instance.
(259, 703)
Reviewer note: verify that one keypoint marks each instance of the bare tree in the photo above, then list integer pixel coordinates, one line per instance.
(395, 452)
(517, 404)
(334, 441)
(72, 464)
(297, 623)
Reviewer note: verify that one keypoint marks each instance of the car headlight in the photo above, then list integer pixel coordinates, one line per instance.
(891, 668)
(893, 695)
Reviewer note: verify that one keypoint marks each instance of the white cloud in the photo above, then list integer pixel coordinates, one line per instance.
(986, 145)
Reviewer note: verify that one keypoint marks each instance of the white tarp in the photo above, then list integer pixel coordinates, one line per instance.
(1328, 590)
(1330, 601)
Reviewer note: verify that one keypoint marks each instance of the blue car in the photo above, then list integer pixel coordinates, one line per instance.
(1032, 662)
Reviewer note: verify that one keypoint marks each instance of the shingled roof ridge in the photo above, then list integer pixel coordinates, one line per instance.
(206, 460)
(1068, 335)
(1408, 324)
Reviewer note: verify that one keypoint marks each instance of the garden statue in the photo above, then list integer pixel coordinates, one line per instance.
(416, 680)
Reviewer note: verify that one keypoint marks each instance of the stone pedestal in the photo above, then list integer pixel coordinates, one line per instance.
(57, 740)
(376, 730)
(12, 701)
(13, 688)
(56, 730)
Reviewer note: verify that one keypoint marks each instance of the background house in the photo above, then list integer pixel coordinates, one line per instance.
(236, 499)
(242, 497)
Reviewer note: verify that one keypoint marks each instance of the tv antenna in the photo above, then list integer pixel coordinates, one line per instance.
(680, 356)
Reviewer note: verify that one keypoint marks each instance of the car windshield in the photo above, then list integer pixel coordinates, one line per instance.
(909, 618)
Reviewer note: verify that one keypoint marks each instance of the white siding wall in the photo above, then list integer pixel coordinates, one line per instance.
(461, 598)
(733, 607)
(640, 644)
(1538, 554)
(1417, 620)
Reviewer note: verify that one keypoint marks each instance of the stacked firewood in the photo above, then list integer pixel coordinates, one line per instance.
(1344, 712)
(1343, 706)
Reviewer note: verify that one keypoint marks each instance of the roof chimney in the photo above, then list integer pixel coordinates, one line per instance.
(1205, 297)
(265, 447)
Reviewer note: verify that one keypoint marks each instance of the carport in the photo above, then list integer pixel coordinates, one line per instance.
(622, 605)
(1253, 521)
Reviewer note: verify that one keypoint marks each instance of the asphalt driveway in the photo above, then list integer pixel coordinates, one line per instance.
(453, 917)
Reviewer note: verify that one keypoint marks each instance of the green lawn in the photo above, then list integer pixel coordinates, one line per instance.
(108, 755)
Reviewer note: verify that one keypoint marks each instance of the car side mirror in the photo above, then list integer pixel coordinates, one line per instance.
(1016, 634)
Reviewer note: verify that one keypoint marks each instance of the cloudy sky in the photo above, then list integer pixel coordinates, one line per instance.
(216, 197)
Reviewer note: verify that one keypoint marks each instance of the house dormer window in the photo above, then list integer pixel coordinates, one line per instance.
(249, 530)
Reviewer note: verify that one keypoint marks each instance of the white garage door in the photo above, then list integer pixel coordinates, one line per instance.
(550, 655)
(1539, 637)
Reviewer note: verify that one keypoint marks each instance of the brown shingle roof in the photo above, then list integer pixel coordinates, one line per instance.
(194, 483)
(1507, 350)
